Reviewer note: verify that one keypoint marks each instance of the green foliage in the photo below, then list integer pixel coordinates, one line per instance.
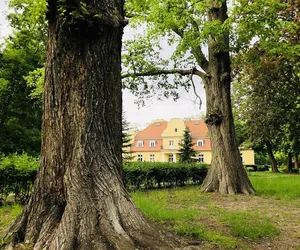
(17, 175)
(249, 225)
(145, 175)
(35, 80)
(7, 214)
(22, 52)
(266, 87)
(272, 23)
(261, 158)
(182, 25)
(126, 141)
(186, 150)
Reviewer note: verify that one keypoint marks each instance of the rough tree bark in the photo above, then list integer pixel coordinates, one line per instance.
(227, 174)
(79, 200)
(271, 157)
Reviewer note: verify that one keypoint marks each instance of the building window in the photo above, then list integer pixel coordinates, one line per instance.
(171, 158)
(201, 158)
(152, 144)
(140, 158)
(175, 129)
(179, 142)
(152, 158)
(200, 143)
(242, 158)
(171, 143)
(140, 144)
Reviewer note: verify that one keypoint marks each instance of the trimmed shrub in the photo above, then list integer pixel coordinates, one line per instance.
(263, 168)
(250, 168)
(148, 175)
(18, 173)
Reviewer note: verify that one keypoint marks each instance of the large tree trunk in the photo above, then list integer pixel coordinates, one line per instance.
(227, 174)
(271, 157)
(79, 200)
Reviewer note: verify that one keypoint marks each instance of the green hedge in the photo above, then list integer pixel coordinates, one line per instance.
(260, 168)
(17, 175)
(147, 175)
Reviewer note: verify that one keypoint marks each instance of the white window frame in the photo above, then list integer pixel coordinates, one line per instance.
(171, 143)
(171, 158)
(201, 158)
(179, 142)
(152, 158)
(140, 158)
(200, 143)
(139, 144)
(152, 144)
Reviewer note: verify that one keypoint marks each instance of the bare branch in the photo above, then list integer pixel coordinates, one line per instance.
(155, 72)
(195, 92)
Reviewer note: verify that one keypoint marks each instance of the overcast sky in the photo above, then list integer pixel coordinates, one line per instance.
(154, 109)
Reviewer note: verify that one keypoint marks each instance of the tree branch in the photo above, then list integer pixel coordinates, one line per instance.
(155, 72)
(196, 51)
(195, 92)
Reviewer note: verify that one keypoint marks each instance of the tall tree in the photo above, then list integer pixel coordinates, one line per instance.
(126, 140)
(266, 86)
(79, 201)
(186, 150)
(23, 51)
(190, 26)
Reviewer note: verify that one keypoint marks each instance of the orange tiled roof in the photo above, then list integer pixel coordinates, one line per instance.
(146, 146)
(198, 128)
(206, 146)
(152, 131)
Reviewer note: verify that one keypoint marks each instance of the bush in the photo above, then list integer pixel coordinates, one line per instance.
(17, 175)
(250, 168)
(147, 175)
(262, 168)
(254, 168)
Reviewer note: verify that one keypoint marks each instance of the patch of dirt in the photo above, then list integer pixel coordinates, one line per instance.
(284, 215)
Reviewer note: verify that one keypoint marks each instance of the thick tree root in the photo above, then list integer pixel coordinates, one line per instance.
(224, 182)
(86, 226)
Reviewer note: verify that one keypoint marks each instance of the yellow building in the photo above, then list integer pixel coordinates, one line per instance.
(161, 140)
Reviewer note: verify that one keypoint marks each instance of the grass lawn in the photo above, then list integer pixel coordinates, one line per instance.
(7, 215)
(269, 220)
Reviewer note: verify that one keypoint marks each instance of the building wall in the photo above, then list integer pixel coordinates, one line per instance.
(247, 156)
(163, 132)
(146, 145)
(146, 156)
(206, 156)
